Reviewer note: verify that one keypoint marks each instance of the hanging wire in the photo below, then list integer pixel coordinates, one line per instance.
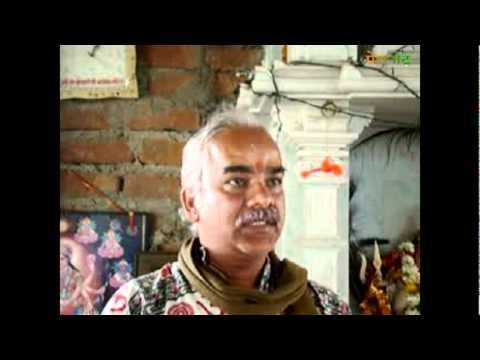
(360, 65)
(275, 99)
(383, 72)
(338, 109)
(94, 50)
(327, 106)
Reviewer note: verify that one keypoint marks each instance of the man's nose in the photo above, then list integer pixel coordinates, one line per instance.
(259, 195)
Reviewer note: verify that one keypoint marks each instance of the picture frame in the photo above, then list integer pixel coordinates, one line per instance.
(97, 256)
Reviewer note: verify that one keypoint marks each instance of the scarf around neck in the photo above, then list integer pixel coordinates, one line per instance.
(289, 293)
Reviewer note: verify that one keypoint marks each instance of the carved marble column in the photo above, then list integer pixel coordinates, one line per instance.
(316, 229)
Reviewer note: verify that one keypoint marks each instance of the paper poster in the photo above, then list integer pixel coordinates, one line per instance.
(97, 71)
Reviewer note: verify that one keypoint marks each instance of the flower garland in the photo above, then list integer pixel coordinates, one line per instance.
(393, 283)
(411, 279)
(403, 276)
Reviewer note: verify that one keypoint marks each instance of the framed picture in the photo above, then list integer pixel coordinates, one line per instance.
(97, 256)
(149, 262)
(97, 71)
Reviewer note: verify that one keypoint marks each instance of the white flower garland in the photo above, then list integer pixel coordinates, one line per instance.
(411, 277)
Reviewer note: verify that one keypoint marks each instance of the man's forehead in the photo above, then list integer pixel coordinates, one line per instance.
(235, 145)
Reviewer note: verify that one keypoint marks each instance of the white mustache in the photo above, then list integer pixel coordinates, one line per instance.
(270, 216)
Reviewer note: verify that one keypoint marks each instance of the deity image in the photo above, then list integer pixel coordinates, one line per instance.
(86, 232)
(122, 274)
(111, 247)
(80, 288)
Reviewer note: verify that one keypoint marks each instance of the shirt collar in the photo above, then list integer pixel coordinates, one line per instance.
(264, 283)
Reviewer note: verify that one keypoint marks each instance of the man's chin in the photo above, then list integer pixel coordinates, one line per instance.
(261, 239)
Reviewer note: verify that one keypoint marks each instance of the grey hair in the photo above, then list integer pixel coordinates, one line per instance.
(193, 151)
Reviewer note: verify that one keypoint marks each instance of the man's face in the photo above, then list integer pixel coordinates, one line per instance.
(241, 203)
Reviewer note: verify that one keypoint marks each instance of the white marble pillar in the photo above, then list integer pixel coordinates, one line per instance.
(316, 229)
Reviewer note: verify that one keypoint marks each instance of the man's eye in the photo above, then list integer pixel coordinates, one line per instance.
(237, 182)
(274, 182)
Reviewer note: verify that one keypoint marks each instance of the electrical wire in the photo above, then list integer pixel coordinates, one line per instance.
(328, 105)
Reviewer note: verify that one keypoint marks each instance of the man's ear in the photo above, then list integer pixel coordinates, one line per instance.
(188, 205)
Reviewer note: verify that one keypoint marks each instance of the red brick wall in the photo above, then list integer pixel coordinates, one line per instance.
(131, 148)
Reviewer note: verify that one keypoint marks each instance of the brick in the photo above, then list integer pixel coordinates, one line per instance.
(151, 186)
(142, 107)
(225, 83)
(228, 58)
(179, 119)
(168, 83)
(95, 152)
(169, 56)
(161, 152)
(71, 185)
(75, 118)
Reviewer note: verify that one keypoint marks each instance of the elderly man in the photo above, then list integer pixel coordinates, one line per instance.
(232, 195)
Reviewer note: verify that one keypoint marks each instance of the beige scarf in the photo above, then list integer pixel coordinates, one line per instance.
(290, 293)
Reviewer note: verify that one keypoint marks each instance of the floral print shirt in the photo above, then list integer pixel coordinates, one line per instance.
(167, 292)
